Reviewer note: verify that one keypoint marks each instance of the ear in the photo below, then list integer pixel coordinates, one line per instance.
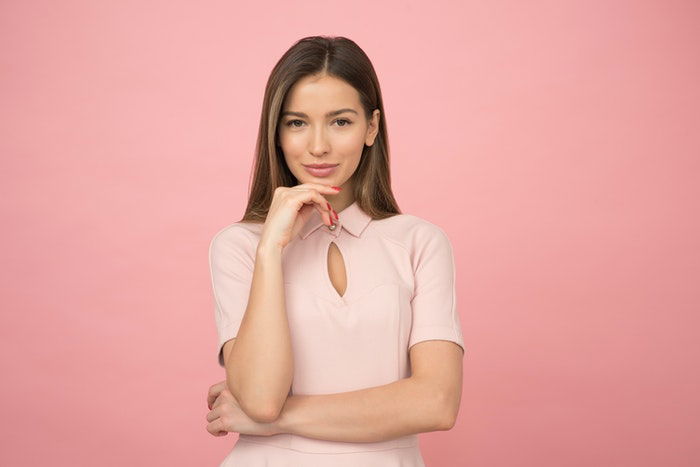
(372, 128)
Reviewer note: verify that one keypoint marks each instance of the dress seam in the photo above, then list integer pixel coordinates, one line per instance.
(411, 446)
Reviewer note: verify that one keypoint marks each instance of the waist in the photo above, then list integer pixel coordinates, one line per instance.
(319, 446)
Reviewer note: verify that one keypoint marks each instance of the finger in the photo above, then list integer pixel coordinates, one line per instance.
(214, 392)
(215, 389)
(216, 403)
(312, 195)
(326, 211)
(322, 211)
(324, 189)
(213, 414)
(327, 189)
(223, 398)
(215, 427)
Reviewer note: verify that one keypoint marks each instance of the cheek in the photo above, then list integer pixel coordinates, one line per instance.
(293, 146)
(350, 142)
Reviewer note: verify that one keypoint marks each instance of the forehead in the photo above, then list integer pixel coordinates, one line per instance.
(313, 94)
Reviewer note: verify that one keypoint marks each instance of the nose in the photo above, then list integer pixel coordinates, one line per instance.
(318, 145)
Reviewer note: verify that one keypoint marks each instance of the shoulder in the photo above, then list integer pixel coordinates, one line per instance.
(239, 238)
(427, 246)
(411, 231)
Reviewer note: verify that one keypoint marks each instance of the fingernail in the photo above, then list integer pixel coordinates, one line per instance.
(336, 188)
(329, 206)
(336, 214)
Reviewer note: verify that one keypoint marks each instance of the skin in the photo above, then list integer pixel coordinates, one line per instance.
(308, 135)
(318, 139)
(433, 392)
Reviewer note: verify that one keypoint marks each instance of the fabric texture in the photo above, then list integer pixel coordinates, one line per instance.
(400, 291)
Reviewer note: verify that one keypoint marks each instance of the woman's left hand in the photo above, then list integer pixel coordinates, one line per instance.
(225, 415)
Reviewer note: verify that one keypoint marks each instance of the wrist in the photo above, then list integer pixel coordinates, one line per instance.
(284, 423)
(266, 249)
(278, 427)
(271, 428)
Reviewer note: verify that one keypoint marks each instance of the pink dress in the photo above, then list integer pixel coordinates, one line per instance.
(400, 291)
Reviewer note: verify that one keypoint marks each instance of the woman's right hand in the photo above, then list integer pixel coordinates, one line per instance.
(291, 207)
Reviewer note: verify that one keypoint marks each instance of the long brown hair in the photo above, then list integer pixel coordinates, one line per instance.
(342, 58)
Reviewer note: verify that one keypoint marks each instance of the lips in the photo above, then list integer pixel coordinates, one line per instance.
(321, 170)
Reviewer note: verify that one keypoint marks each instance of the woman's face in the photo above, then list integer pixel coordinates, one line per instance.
(323, 122)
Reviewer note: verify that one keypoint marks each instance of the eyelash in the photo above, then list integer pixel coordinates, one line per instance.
(347, 122)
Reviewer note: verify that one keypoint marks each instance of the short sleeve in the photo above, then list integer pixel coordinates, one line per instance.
(231, 264)
(434, 302)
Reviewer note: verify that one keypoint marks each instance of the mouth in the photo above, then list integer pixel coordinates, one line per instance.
(321, 170)
(320, 166)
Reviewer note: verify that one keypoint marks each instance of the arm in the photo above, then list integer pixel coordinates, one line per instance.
(428, 400)
(259, 366)
(404, 407)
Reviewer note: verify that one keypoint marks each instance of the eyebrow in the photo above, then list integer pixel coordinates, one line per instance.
(329, 114)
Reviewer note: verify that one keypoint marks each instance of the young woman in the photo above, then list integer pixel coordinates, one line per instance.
(336, 314)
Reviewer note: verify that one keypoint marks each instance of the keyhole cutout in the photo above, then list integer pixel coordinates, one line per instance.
(336, 269)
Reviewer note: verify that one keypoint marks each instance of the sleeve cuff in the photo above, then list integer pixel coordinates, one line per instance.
(226, 334)
(427, 333)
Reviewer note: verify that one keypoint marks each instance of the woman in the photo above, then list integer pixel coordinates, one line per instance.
(335, 313)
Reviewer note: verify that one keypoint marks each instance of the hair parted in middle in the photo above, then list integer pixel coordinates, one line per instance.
(342, 58)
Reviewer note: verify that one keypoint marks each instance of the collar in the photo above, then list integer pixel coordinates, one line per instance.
(353, 219)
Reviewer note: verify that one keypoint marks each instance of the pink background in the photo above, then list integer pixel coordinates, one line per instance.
(557, 143)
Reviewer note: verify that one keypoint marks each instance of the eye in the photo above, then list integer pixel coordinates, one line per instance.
(290, 123)
(347, 122)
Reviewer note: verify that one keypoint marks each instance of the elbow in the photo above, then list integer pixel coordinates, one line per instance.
(448, 421)
(259, 412)
(259, 407)
(448, 415)
(262, 413)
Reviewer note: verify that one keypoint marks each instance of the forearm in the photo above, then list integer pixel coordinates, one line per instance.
(259, 373)
(404, 407)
